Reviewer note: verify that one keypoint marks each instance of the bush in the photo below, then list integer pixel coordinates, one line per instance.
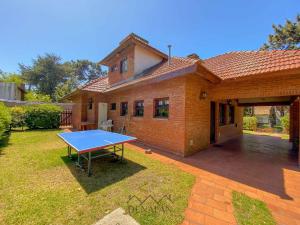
(43, 116)
(32, 96)
(285, 123)
(18, 116)
(5, 119)
(249, 123)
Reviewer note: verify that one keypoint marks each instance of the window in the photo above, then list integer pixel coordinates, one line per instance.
(124, 108)
(139, 108)
(113, 68)
(123, 65)
(113, 106)
(222, 114)
(231, 114)
(161, 107)
(90, 103)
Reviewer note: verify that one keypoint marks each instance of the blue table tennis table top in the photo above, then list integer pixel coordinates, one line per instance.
(91, 140)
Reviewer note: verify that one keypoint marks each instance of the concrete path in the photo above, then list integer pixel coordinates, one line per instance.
(117, 217)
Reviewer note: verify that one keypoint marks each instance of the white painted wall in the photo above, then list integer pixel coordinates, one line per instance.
(9, 91)
(144, 59)
(102, 113)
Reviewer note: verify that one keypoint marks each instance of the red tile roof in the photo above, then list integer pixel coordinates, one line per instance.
(98, 85)
(226, 66)
(241, 64)
(177, 64)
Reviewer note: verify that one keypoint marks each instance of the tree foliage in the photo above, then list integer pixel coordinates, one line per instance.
(11, 77)
(48, 75)
(284, 37)
(32, 96)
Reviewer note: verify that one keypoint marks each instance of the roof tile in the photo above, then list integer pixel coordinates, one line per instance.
(97, 85)
(245, 63)
(226, 66)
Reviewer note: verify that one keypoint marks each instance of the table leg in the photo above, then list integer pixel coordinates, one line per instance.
(122, 152)
(89, 164)
(69, 151)
(78, 160)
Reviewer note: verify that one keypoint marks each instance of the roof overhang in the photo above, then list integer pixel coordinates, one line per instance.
(269, 101)
(196, 68)
(206, 73)
(131, 40)
(77, 92)
(273, 74)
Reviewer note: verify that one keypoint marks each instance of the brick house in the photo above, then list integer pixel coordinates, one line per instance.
(184, 104)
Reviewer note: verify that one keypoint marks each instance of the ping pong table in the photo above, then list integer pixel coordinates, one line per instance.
(93, 144)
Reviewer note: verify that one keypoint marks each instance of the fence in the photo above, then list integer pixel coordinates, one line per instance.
(66, 118)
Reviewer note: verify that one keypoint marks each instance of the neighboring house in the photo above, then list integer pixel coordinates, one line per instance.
(269, 115)
(184, 104)
(262, 114)
(12, 91)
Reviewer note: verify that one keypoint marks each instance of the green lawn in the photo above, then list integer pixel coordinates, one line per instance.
(249, 211)
(40, 185)
(280, 135)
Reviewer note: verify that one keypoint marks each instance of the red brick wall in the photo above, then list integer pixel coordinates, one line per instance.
(197, 113)
(285, 85)
(198, 117)
(294, 121)
(229, 131)
(167, 134)
(187, 129)
(76, 111)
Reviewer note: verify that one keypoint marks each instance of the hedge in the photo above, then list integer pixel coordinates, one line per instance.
(18, 116)
(5, 119)
(249, 123)
(45, 116)
(285, 123)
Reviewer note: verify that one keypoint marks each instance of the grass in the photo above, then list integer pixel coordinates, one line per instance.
(249, 211)
(281, 135)
(40, 185)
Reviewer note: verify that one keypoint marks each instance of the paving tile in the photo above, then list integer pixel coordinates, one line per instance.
(255, 165)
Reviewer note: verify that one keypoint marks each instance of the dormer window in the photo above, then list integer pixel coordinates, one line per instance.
(123, 65)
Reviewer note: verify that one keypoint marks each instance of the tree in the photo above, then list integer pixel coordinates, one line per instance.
(49, 76)
(11, 77)
(33, 96)
(45, 74)
(284, 37)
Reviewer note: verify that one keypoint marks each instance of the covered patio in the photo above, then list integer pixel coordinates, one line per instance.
(263, 167)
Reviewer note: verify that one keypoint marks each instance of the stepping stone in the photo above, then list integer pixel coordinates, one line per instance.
(117, 217)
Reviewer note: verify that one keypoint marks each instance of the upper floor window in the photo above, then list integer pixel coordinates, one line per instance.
(113, 106)
(123, 65)
(139, 108)
(113, 68)
(231, 114)
(161, 107)
(222, 114)
(124, 108)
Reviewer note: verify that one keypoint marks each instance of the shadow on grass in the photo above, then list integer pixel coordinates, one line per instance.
(4, 141)
(105, 172)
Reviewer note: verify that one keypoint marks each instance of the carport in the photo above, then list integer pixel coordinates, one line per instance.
(268, 87)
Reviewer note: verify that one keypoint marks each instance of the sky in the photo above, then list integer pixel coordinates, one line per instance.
(90, 29)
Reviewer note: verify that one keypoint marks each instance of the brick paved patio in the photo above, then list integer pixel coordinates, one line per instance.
(260, 166)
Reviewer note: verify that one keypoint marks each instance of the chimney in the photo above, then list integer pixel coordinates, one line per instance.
(169, 58)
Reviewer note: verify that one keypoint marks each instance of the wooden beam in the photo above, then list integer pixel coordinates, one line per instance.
(265, 104)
